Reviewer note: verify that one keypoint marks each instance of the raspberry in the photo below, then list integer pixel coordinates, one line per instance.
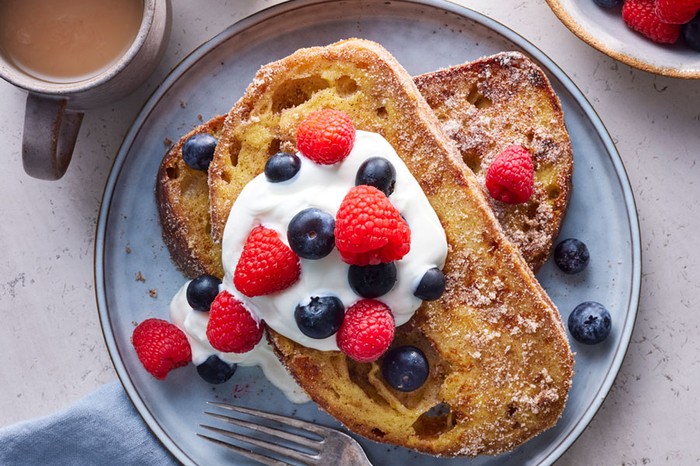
(640, 15)
(231, 327)
(367, 330)
(326, 136)
(676, 11)
(368, 228)
(267, 265)
(161, 347)
(510, 177)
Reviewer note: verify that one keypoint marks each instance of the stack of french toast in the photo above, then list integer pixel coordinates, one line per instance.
(499, 358)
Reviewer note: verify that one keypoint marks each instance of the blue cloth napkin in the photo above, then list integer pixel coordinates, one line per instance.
(102, 429)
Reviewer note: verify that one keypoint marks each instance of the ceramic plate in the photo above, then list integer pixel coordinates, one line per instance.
(424, 36)
(605, 30)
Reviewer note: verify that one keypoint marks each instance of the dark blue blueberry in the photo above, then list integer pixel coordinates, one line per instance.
(609, 3)
(321, 318)
(691, 33)
(201, 292)
(571, 256)
(372, 281)
(216, 371)
(377, 172)
(310, 234)
(282, 167)
(431, 286)
(198, 151)
(589, 323)
(405, 368)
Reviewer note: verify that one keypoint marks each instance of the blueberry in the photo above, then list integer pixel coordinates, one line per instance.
(201, 292)
(310, 233)
(320, 318)
(377, 172)
(216, 371)
(405, 368)
(571, 256)
(609, 3)
(198, 151)
(431, 286)
(372, 281)
(282, 167)
(589, 323)
(691, 33)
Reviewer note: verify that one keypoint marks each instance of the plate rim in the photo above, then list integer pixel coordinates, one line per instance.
(574, 26)
(263, 15)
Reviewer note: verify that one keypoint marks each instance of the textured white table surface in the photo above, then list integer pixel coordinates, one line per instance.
(50, 337)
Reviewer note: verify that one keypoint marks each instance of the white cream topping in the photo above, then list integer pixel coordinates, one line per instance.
(322, 186)
(194, 324)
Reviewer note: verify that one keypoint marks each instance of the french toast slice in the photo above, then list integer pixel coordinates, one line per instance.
(494, 102)
(501, 366)
(182, 198)
(484, 106)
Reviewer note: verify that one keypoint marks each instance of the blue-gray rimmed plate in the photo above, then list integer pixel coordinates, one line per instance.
(423, 35)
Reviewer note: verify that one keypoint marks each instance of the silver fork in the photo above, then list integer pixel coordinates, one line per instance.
(330, 447)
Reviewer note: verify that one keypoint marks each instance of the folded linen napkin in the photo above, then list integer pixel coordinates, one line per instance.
(102, 428)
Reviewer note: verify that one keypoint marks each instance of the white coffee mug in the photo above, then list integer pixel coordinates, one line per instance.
(54, 111)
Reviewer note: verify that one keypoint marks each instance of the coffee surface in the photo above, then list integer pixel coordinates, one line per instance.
(65, 41)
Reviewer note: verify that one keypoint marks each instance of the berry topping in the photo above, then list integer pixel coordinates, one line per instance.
(571, 256)
(161, 347)
(267, 265)
(510, 177)
(405, 368)
(676, 11)
(326, 136)
(691, 33)
(282, 167)
(431, 286)
(367, 330)
(216, 371)
(321, 318)
(368, 228)
(198, 151)
(310, 234)
(377, 172)
(640, 15)
(589, 323)
(609, 3)
(201, 292)
(372, 281)
(231, 327)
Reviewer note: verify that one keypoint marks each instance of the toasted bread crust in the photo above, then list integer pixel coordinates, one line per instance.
(485, 106)
(183, 209)
(499, 355)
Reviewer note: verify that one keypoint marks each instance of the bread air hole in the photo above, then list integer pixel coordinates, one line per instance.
(295, 92)
(381, 112)
(172, 173)
(234, 150)
(274, 147)
(346, 86)
(477, 99)
(436, 421)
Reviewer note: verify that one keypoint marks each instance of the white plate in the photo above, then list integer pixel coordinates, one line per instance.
(604, 29)
(423, 35)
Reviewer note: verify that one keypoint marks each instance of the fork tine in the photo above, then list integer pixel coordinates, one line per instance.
(299, 424)
(307, 442)
(286, 451)
(266, 460)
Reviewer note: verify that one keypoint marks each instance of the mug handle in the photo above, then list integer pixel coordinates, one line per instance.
(50, 132)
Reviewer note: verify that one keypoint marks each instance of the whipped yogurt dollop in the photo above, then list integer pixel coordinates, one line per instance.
(194, 324)
(323, 187)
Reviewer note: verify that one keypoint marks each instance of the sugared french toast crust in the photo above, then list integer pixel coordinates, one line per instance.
(501, 366)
